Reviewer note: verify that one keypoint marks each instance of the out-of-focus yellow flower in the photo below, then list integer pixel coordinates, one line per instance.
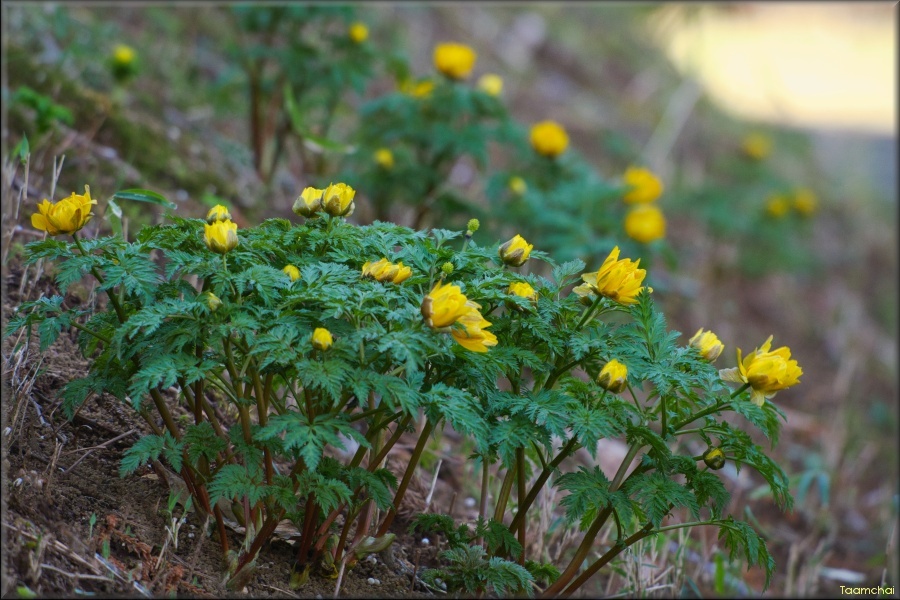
(805, 201)
(384, 158)
(454, 60)
(358, 32)
(490, 84)
(384, 270)
(212, 301)
(714, 458)
(515, 251)
(777, 206)
(417, 89)
(613, 376)
(766, 371)
(292, 272)
(123, 55)
(66, 216)
(443, 305)
(221, 236)
(757, 146)
(645, 223)
(321, 339)
(619, 280)
(218, 213)
(472, 336)
(708, 344)
(338, 200)
(643, 185)
(517, 185)
(523, 290)
(308, 202)
(549, 138)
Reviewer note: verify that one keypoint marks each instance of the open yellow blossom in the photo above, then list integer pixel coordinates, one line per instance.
(777, 206)
(221, 236)
(292, 272)
(218, 213)
(358, 32)
(805, 201)
(515, 251)
(321, 339)
(548, 138)
(708, 344)
(384, 270)
(522, 289)
(472, 335)
(443, 305)
(123, 55)
(643, 186)
(619, 280)
(757, 146)
(490, 84)
(645, 223)
(613, 376)
(384, 158)
(338, 200)
(767, 371)
(308, 202)
(518, 186)
(66, 216)
(454, 60)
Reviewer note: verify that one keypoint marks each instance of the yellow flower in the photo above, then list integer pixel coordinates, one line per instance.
(66, 216)
(643, 185)
(419, 89)
(645, 223)
(454, 60)
(321, 339)
(358, 32)
(218, 213)
(212, 301)
(619, 280)
(766, 371)
(757, 146)
(384, 270)
(613, 376)
(308, 202)
(805, 201)
(384, 158)
(522, 289)
(338, 200)
(491, 84)
(714, 458)
(708, 344)
(549, 138)
(518, 186)
(221, 236)
(515, 252)
(123, 55)
(292, 272)
(777, 206)
(472, 336)
(443, 305)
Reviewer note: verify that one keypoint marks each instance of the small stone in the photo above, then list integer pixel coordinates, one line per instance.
(425, 541)
(190, 535)
(469, 502)
(370, 581)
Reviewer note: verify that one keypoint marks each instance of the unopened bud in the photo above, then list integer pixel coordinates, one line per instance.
(714, 458)
(447, 268)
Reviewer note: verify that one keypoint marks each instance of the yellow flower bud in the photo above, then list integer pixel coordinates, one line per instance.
(386, 271)
(66, 216)
(613, 376)
(123, 55)
(523, 290)
(707, 344)
(805, 201)
(358, 32)
(619, 280)
(490, 84)
(518, 186)
(443, 305)
(548, 138)
(756, 146)
(777, 206)
(454, 60)
(420, 89)
(766, 371)
(643, 185)
(714, 458)
(292, 272)
(212, 301)
(308, 202)
(338, 200)
(218, 213)
(516, 251)
(645, 223)
(221, 236)
(384, 158)
(321, 339)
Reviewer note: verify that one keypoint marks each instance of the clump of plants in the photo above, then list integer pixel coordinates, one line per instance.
(278, 365)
